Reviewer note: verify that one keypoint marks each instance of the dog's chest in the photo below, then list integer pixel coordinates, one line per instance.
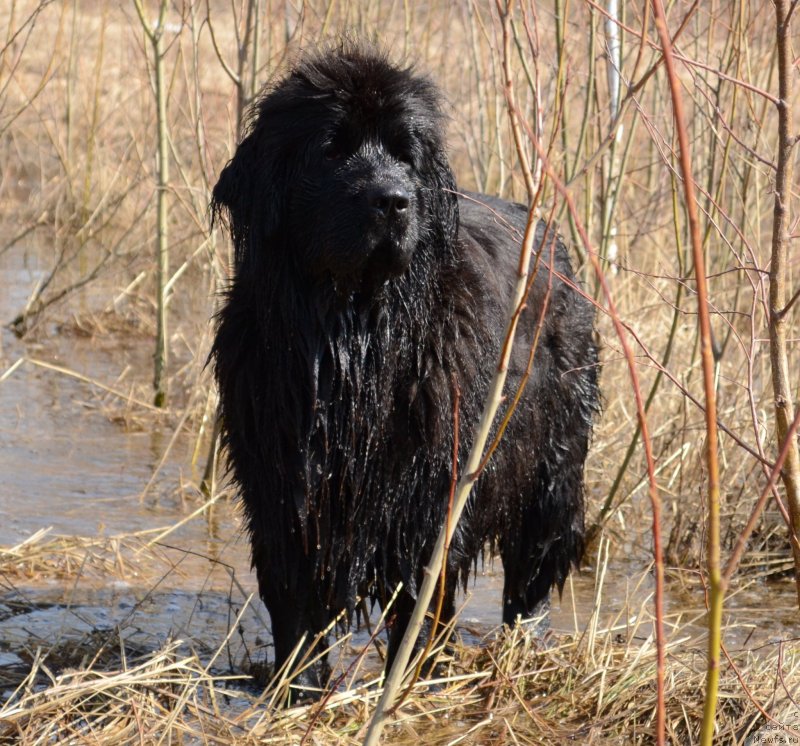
(378, 394)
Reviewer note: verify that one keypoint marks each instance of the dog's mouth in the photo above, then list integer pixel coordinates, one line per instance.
(390, 258)
(386, 259)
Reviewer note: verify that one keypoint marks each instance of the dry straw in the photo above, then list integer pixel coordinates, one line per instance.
(595, 685)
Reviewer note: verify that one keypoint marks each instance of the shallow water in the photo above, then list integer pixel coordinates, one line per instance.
(66, 466)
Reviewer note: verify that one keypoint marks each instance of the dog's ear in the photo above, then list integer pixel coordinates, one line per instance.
(248, 196)
(444, 201)
(233, 192)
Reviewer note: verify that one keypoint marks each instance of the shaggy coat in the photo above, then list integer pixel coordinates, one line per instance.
(366, 290)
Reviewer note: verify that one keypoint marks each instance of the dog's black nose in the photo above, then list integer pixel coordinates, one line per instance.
(388, 201)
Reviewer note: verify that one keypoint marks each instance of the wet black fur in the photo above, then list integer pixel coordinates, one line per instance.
(345, 330)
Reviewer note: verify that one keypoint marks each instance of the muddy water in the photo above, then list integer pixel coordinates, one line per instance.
(67, 467)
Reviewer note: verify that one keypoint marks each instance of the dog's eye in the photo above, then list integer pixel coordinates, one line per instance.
(406, 156)
(403, 151)
(332, 153)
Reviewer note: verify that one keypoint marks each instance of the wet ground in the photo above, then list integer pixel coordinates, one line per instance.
(68, 466)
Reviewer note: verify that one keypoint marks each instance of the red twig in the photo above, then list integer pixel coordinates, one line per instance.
(707, 357)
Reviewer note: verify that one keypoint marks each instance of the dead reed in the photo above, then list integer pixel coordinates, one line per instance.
(595, 687)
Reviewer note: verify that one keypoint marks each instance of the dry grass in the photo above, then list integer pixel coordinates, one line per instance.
(595, 685)
(589, 689)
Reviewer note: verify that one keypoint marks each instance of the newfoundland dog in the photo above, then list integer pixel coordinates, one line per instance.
(367, 290)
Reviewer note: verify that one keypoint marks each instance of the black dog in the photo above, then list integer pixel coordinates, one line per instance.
(366, 290)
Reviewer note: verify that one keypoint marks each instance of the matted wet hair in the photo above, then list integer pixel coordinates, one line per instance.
(366, 292)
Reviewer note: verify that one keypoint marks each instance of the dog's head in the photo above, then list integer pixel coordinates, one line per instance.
(344, 169)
